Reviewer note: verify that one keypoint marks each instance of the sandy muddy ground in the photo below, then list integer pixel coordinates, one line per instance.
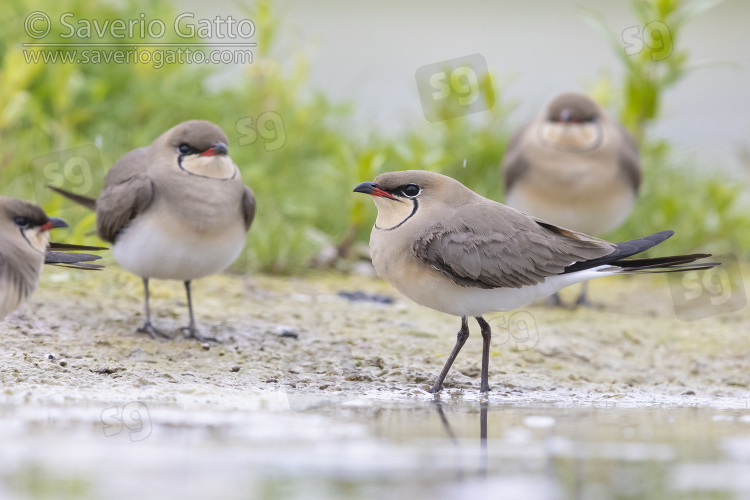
(312, 395)
(299, 335)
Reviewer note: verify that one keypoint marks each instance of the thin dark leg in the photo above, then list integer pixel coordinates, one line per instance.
(555, 300)
(192, 330)
(583, 299)
(147, 326)
(486, 337)
(463, 334)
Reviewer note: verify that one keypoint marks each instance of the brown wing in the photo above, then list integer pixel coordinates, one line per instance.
(514, 164)
(127, 192)
(132, 163)
(120, 203)
(248, 207)
(494, 246)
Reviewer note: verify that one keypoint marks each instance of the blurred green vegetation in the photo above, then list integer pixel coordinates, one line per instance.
(299, 151)
(703, 206)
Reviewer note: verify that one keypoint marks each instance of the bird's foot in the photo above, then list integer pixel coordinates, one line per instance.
(149, 328)
(436, 388)
(485, 388)
(192, 332)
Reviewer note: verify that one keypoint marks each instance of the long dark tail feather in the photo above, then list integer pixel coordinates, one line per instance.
(67, 247)
(619, 258)
(72, 260)
(87, 202)
(622, 250)
(672, 264)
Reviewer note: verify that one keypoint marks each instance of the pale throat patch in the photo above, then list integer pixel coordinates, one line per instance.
(215, 167)
(580, 136)
(38, 239)
(391, 213)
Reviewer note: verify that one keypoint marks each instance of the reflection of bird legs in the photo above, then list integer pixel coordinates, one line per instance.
(483, 406)
(449, 430)
(483, 411)
(444, 421)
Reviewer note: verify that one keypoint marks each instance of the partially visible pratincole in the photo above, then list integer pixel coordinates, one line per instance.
(573, 166)
(25, 248)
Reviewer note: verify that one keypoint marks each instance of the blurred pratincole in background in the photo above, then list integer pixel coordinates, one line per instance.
(175, 210)
(25, 248)
(450, 249)
(575, 167)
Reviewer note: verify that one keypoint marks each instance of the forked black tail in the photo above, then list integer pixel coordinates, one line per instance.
(619, 258)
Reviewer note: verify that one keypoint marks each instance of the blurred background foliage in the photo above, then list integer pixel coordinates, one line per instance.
(299, 151)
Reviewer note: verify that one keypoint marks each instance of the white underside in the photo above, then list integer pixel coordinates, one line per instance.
(469, 301)
(164, 251)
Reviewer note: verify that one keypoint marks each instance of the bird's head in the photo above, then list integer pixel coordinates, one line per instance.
(572, 122)
(413, 195)
(29, 220)
(197, 147)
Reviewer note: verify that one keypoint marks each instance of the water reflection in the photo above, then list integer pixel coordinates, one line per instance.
(379, 448)
(591, 453)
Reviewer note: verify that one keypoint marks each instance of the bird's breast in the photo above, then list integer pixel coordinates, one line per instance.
(158, 244)
(203, 205)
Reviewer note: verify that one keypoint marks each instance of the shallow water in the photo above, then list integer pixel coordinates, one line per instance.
(374, 447)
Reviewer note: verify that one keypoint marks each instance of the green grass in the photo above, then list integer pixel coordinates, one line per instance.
(305, 158)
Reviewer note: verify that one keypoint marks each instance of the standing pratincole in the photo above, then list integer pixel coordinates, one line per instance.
(448, 248)
(175, 210)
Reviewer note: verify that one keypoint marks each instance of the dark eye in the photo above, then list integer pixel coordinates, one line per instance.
(411, 191)
(21, 221)
(185, 148)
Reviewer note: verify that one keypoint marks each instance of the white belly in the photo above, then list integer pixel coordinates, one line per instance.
(468, 301)
(432, 289)
(167, 250)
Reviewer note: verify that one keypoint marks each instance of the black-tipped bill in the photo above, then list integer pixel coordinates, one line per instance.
(372, 189)
(217, 149)
(53, 223)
